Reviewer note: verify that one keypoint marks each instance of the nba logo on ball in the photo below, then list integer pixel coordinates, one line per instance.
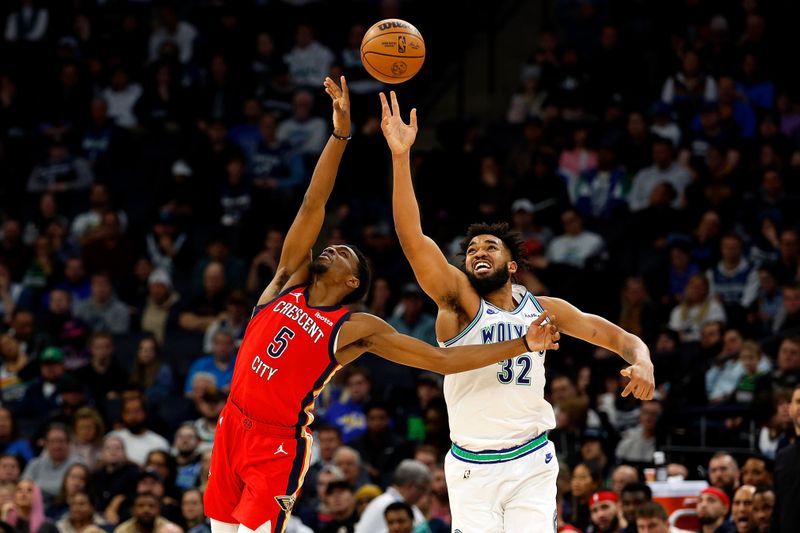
(392, 51)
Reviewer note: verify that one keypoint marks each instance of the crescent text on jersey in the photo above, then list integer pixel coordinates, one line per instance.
(306, 322)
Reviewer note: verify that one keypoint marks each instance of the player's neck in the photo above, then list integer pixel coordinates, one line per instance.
(502, 298)
(323, 295)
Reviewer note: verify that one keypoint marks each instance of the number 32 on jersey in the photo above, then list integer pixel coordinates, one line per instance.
(515, 370)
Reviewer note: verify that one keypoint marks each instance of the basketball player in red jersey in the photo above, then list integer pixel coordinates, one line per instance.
(298, 337)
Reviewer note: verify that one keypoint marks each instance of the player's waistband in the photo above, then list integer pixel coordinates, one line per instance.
(251, 424)
(499, 456)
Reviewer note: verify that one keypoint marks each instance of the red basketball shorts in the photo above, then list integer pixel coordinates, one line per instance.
(256, 471)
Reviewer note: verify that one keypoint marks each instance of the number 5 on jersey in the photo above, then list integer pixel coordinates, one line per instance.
(274, 350)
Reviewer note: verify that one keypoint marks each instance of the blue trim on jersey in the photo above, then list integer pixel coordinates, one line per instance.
(257, 309)
(335, 332)
(471, 325)
(321, 308)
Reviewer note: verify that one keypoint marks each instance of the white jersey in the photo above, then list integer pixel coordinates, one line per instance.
(502, 405)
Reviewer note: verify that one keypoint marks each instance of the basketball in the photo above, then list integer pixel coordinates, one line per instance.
(392, 51)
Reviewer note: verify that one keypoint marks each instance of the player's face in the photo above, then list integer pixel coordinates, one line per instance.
(336, 259)
(603, 515)
(488, 263)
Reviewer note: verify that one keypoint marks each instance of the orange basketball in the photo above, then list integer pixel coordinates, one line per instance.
(392, 51)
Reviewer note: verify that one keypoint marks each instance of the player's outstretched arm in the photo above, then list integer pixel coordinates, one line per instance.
(368, 333)
(439, 279)
(305, 229)
(600, 332)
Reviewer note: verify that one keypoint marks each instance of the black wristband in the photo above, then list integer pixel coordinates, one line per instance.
(342, 137)
(525, 341)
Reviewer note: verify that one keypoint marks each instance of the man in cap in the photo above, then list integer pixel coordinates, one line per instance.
(160, 311)
(712, 508)
(604, 509)
(652, 518)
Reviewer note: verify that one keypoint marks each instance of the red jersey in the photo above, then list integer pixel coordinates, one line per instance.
(285, 359)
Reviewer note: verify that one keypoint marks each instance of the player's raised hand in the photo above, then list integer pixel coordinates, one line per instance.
(399, 135)
(642, 382)
(543, 335)
(341, 105)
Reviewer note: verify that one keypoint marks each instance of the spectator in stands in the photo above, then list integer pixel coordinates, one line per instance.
(308, 61)
(696, 309)
(103, 375)
(734, 281)
(86, 224)
(399, 517)
(768, 302)
(146, 515)
(187, 456)
(161, 309)
(13, 366)
(103, 311)
(304, 132)
(341, 504)
(48, 469)
(380, 448)
(786, 373)
(60, 173)
(116, 474)
(138, 440)
(742, 508)
(203, 309)
(528, 100)
(29, 23)
(789, 247)
(121, 95)
(42, 396)
(723, 472)
(763, 507)
(26, 514)
(604, 509)
(233, 320)
(637, 314)
(274, 166)
(109, 250)
(10, 469)
(622, 476)
(712, 508)
(350, 463)
(76, 479)
(787, 318)
(664, 168)
(192, 512)
(209, 405)
(688, 88)
(757, 471)
(576, 245)
(88, 430)
(347, 413)
(219, 363)
(634, 496)
(639, 443)
(410, 317)
(586, 480)
(172, 30)
(10, 440)
(150, 372)
(81, 516)
(652, 518)
(411, 482)
(167, 245)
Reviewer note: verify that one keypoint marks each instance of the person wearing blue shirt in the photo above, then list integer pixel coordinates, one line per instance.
(219, 364)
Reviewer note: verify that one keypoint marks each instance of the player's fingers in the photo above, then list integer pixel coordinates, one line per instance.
(540, 319)
(384, 104)
(627, 390)
(556, 336)
(345, 90)
(626, 372)
(554, 346)
(414, 118)
(395, 105)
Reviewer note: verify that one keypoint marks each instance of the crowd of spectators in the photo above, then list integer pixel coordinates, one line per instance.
(152, 155)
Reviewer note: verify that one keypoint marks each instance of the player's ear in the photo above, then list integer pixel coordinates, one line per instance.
(512, 267)
(353, 282)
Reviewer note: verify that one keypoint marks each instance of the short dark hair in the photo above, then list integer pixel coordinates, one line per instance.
(652, 510)
(363, 276)
(377, 404)
(399, 506)
(511, 239)
(638, 487)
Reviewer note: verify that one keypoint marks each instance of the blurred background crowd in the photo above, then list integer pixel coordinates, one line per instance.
(153, 154)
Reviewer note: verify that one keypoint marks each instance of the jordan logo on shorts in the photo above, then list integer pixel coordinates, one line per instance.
(280, 450)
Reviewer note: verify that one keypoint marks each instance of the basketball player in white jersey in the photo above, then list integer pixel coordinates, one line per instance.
(501, 470)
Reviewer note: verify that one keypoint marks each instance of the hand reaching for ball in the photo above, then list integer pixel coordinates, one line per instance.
(399, 135)
(341, 106)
